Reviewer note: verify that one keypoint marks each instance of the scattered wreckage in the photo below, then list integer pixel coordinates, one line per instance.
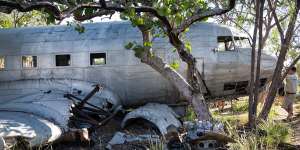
(54, 80)
(41, 111)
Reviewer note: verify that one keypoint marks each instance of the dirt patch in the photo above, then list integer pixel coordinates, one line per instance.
(296, 124)
(101, 137)
(105, 133)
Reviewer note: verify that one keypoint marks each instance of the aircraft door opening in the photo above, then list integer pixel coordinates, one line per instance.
(226, 69)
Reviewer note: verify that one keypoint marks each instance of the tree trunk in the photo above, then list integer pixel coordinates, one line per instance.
(258, 62)
(200, 107)
(274, 85)
(251, 115)
(276, 79)
(196, 99)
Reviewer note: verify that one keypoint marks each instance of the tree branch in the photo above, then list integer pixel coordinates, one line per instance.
(198, 16)
(8, 6)
(276, 20)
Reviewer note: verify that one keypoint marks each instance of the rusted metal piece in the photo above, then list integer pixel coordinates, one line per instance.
(82, 113)
(92, 106)
(74, 134)
(103, 122)
(90, 95)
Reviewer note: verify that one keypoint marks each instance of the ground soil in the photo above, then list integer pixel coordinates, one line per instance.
(105, 133)
(296, 125)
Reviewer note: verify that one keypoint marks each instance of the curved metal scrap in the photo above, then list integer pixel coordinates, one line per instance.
(161, 115)
(122, 138)
(34, 129)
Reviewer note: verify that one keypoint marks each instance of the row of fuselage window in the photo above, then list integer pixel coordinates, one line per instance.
(60, 60)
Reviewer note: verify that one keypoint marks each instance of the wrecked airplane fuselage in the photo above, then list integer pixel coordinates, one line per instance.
(34, 61)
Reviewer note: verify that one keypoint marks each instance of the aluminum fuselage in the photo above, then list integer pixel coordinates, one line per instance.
(225, 73)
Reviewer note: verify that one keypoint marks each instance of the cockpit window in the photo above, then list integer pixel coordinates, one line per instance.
(242, 42)
(225, 43)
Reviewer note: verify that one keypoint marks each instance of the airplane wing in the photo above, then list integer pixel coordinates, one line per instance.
(37, 117)
(38, 110)
(33, 129)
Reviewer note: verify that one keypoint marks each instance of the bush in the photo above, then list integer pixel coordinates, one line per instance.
(277, 132)
(240, 106)
(190, 114)
(268, 135)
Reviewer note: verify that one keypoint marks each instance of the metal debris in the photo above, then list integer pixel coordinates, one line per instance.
(39, 111)
(123, 138)
(161, 115)
(204, 134)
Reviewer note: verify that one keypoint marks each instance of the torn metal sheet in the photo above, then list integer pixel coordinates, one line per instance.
(123, 138)
(161, 115)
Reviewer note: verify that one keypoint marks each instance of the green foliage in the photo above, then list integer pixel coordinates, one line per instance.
(50, 19)
(240, 106)
(190, 114)
(276, 132)
(129, 45)
(155, 145)
(188, 46)
(6, 23)
(148, 44)
(275, 40)
(79, 28)
(177, 10)
(267, 136)
(175, 65)
(138, 49)
(19, 19)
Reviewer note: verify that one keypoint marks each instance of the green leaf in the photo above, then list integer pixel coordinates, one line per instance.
(129, 45)
(123, 16)
(79, 28)
(88, 11)
(50, 19)
(140, 21)
(148, 44)
(175, 65)
(188, 46)
(138, 51)
(131, 12)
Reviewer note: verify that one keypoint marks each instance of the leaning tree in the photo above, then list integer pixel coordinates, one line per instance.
(169, 18)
